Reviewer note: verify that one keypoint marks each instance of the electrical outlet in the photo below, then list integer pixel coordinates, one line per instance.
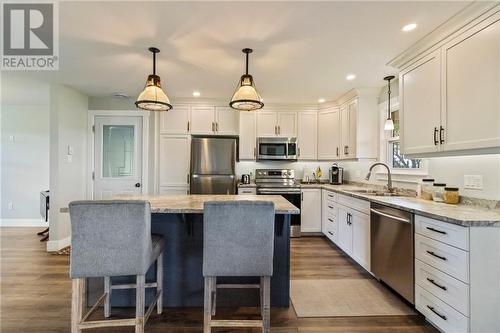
(474, 182)
(11, 206)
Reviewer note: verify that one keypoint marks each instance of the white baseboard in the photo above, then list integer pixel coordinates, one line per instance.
(56, 245)
(23, 223)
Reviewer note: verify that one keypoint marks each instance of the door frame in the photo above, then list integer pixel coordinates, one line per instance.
(91, 142)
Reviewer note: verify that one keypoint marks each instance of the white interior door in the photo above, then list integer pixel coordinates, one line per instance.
(117, 156)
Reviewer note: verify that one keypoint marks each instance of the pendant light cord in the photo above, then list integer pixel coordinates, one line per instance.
(154, 63)
(246, 70)
(389, 99)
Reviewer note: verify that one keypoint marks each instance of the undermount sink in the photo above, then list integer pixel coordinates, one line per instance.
(378, 193)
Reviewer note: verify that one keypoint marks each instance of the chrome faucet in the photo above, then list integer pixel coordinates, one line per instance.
(389, 177)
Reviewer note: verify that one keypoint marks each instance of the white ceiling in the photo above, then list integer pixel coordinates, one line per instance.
(302, 50)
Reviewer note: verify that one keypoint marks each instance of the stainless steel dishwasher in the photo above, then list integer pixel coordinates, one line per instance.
(392, 257)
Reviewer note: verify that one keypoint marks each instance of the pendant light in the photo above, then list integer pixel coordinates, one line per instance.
(152, 98)
(246, 97)
(389, 124)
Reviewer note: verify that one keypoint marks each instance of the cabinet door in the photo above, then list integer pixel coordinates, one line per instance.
(361, 239)
(345, 230)
(471, 83)
(174, 160)
(174, 190)
(287, 124)
(227, 121)
(267, 124)
(420, 98)
(352, 113)
(202, 120)
(248, 139)
(310, 218)
(175, 121)
(329, 134)
(307, 135)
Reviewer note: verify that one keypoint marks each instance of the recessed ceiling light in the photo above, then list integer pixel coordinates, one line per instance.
(196, 94)
(321, 100)
(409, 27)
(350, 77)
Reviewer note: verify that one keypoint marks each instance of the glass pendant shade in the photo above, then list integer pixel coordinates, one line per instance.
(246, 97)
(389, 125)
(152, 98)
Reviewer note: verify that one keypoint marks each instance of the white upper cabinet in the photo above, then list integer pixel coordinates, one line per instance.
(276, 123)
(174, 160)
(348, 130)
(307, 138)
(287, 124)
(226, 120)
(202, 120)
(267, 123)
(328, 134)
(420, 98)
(248, 139)
(450, 98)
(175, 121)
(471, 79)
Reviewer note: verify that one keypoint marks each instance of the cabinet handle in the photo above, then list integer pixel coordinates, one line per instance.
(298, 151)
(437, 256)
(213, 127)
(337, 151)
(301, 196)
(275, 130)
(435, 230)
(254, 151)
(441, 134)
(217, 127)
(437, 285)
(188, 178)
(331, 207)
(188, 126)
(279, 130)
(331, 233)
(435, 136)
(437, 313)
(330, 220)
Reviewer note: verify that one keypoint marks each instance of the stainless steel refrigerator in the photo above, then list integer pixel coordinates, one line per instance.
(213, 165)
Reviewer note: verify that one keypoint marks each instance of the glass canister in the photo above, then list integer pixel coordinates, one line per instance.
(451, 195)
(438, 193)
(427, 188)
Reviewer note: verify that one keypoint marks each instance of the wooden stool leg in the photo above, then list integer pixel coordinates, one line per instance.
(207, 311)
(107, 300)
(139, 303)
(159, 281)
(266, 304)
(214, 295)
(77, 303)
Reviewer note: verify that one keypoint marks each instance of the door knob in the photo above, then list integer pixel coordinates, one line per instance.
(137, 185)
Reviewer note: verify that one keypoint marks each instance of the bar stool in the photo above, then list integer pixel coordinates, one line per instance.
(113, 238)
(238, 240)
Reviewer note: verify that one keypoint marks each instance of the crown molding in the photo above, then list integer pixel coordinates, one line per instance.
(349, 95)
(468, 17)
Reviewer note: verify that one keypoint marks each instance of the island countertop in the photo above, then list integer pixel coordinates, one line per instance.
(193, 203)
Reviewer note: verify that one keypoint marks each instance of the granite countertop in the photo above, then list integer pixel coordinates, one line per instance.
(465, 215)
(193, 204)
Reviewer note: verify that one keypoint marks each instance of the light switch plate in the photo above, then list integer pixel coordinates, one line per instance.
(474, 182)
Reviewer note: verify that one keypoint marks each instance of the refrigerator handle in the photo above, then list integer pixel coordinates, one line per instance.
(188, 180)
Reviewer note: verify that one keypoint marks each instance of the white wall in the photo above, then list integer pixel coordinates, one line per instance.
(68, 127)
(25, 148)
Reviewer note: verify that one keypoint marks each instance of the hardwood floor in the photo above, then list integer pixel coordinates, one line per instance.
(36, 293)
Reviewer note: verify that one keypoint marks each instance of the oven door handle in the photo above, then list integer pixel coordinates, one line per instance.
(277, 192)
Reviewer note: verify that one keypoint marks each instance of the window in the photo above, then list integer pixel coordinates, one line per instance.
(395, 159)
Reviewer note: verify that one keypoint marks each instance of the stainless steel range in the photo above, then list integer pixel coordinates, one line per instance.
(281, 182)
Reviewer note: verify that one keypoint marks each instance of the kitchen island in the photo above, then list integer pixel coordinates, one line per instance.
(179, 219)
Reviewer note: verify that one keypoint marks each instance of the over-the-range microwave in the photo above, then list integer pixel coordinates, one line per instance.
(277, 149)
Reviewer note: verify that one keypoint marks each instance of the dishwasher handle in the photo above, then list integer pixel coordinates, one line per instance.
(397, 218)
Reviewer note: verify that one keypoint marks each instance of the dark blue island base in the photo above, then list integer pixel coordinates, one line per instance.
(183, 262)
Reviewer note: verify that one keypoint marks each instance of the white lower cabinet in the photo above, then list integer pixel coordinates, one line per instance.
(169, 190)
(247, 190)
(310, 212)
(361, 238)
(345, 230)
(329, 216)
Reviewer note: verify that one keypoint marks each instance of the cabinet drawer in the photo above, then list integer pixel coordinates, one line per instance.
(450, 290)
(357, 204)
(439, 313)
(444, 232)
(446, 258)
(247, 190)
(329, 195)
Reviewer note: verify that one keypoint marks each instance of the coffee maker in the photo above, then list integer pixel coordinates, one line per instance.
(336, 174)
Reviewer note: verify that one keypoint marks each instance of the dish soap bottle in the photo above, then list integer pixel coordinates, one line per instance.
(318, 172)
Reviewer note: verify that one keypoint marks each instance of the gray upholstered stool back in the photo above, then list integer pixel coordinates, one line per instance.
(238, 238)
(110, 238)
